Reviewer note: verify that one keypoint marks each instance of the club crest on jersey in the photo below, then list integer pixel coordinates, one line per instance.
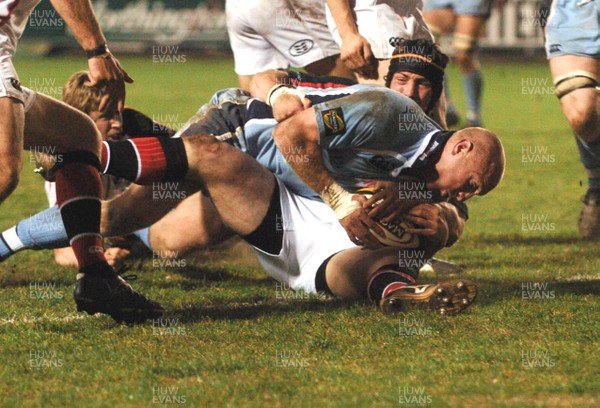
(333, 119)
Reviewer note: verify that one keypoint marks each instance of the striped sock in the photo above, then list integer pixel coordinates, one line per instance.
(387, 279)
(145, 160)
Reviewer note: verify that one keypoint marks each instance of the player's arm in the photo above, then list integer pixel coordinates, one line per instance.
(298, 141)
(355, 50)
(104, 68)
(274, 87)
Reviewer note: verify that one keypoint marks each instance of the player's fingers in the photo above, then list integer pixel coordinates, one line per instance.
(367, 238)
(420, 231)
(424, 222)
(377, 196)
(357, 233)
(371, 226)
(395, 215)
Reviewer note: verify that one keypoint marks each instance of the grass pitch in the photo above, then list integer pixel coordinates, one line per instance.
(233, 337)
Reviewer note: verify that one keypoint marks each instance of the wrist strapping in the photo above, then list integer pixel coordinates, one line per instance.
(281, 89)
(340, 200)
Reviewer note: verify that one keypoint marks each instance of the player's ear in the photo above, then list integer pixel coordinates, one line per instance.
(462, 146)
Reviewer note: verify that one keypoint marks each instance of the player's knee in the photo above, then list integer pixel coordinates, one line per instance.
(85, 135)
(201, 148)
(465, 61)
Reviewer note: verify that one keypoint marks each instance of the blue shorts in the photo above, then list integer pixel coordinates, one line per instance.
(479, 8)
(573, 28)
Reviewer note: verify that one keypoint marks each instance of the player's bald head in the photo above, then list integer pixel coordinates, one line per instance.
(488, 155)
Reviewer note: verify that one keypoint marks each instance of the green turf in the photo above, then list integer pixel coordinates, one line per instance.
(234, 338)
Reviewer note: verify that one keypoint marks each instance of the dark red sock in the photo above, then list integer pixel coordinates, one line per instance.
(78, 191)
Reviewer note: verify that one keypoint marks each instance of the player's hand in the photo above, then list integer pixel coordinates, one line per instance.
(385, 203)
(115, 256)
(357, 55)
(358, 225)
(106, 71)
(288, 105)
(429, 223)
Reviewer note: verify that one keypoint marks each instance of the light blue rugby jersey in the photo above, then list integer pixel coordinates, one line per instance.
(364, 130)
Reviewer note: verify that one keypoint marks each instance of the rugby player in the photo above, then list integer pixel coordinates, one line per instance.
(113, 125)
(573, 48)
(465, 19)
(39, 123)
(292, 234)
(277, 34)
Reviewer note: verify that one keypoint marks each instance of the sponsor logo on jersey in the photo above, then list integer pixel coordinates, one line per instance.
(334, 121)
(301, 47)
(554, 48)
(16, 84)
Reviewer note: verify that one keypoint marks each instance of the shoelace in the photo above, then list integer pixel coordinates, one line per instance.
(124, 268)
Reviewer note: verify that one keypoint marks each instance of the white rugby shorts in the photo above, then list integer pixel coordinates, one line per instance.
(271, 34)
(13, 20)
(382, 22)
(311, 234)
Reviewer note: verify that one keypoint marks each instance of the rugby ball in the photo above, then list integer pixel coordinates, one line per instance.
(395, 234)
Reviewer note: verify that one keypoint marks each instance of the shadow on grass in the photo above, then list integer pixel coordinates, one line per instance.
(257, 308)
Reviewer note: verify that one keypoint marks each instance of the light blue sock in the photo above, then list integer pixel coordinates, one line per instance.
(473, 86)
(589, 154)
(144, 236)
(44, 230)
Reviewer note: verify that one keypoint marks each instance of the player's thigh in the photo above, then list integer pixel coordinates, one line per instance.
(194, 223)
(238, 185)
(564, 64)
(471, 26)
(52, 123)
(440, 20)
(348, 272)
(11, 133)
